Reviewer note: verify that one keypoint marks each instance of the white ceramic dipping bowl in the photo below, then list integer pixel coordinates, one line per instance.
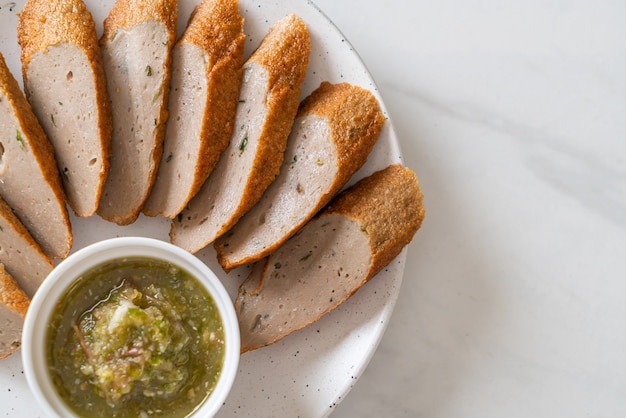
(63, 277)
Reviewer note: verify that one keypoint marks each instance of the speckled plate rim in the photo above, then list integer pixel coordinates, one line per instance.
(311, 371)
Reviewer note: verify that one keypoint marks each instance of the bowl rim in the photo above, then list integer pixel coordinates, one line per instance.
(65, 274)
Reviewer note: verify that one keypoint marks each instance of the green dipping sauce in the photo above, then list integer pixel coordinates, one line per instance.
(135, 337)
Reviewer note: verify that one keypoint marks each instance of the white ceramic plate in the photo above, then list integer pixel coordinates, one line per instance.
(308, 373)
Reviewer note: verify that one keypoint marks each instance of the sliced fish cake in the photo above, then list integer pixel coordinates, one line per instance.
(29, 179)
(20, 254)
(14, 304)
(330, 258)
(206, 78)
(65, 83)
(136, 48)
(269, 98)
(333, 134)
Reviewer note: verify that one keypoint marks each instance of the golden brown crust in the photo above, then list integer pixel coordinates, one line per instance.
(128, 13)
(9, 216)
(355, 121)
(67, 21)
(217, 27)
(355, 117)
(44, 23)
(40, 146)
(14, 298)
(11, 295)
(284, 52)
(124, 15)
(394, 190)
(387, 207)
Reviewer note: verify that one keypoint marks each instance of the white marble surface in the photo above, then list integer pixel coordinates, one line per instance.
(513, 114)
